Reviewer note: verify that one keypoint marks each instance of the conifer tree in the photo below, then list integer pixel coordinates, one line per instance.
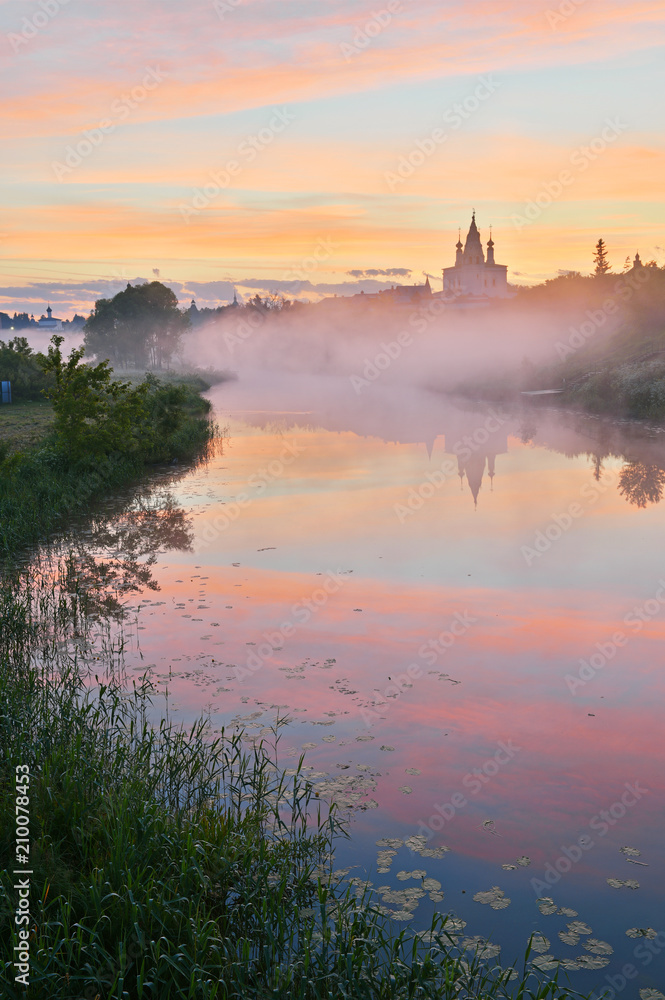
(600, 257)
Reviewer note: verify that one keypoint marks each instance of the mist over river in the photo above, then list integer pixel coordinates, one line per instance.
(460, 612)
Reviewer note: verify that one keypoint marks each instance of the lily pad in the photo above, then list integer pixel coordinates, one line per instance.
(539, 943)
(597, 947)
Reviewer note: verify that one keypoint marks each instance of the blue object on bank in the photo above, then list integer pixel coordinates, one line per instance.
(6, 388)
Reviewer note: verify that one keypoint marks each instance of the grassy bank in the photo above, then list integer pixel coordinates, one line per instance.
(52, 468)
(24, 424)
(609, 354)
(172, 864)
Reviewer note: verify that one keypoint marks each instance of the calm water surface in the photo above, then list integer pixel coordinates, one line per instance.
(461, 612)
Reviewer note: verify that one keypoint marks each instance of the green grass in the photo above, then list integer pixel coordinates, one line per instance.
(171, 863)
(25, 424)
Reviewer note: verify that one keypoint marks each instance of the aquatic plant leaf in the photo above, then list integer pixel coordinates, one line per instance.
(619, 883)
(482, 947)
(569, 938)
(539, 943)
(578, 927)
(431, 884)
(436, 897)
(416, 842)
(645, 932)
(544, 963)
(524, 861)
(406, 789)
(484, 897)
(434, 852)
(597, 947)
(592, 961)
(393, 842)
(546, 905)
(494, 897)
(565, 911)
(509, 868)
(412, 770)
(649, 994)
(386, 747)
(630, 852)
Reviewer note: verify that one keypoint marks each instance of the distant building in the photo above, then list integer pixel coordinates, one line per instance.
(409, 294)
(400, 295)
(48, 323)
(474, 277)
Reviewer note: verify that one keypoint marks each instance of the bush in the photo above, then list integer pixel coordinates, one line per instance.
(24, 369)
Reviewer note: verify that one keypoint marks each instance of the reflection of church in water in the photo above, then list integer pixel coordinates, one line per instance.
(475, 441)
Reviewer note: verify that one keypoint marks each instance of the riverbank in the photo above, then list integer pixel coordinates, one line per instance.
(623, 377)
(41, 485)
(169, 863)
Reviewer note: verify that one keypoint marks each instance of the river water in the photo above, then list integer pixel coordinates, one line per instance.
(460, 611)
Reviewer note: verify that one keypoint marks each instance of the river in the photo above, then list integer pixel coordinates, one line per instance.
(460, 612)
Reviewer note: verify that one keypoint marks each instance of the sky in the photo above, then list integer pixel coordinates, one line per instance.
(320, 147)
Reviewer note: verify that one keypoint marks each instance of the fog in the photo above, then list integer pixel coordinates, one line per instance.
(429, 345)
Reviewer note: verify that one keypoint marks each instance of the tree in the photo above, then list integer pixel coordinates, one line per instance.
(600, 258)
(641, 484)
(23, 368)
(140, 326)
(94, 415)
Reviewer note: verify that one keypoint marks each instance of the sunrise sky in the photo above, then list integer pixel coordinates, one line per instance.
(305, 111)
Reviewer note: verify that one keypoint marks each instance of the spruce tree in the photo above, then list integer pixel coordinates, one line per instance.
(600, 257)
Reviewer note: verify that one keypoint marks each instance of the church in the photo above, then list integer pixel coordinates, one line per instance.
(474, 277)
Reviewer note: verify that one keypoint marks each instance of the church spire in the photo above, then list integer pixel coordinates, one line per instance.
(490, 249)
(473, 248)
